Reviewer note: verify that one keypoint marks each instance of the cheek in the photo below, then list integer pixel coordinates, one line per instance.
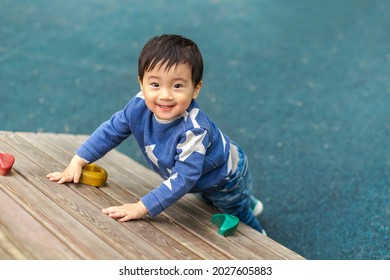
(184, 100)
(149, 103)
(184, 103)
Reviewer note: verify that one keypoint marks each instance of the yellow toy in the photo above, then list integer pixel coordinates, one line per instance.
(93, 175)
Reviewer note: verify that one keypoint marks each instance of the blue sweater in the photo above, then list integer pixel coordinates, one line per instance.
(190, 152)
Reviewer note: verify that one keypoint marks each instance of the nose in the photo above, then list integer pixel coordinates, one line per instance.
(165, 94)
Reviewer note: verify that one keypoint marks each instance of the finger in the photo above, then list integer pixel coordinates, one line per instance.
(125, 219)
(53, 175)
(116, 215)
(61, 180)
(106, 210)
(110, 209)
(64, 179)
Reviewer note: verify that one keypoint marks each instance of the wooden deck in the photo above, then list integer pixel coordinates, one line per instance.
(42, 220)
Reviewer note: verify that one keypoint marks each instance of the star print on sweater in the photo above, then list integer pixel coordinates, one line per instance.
(193, 143)
(168, 181)
(149, 151)
(190, 152)
(192, 114)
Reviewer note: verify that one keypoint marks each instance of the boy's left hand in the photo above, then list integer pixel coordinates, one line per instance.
(126, 212)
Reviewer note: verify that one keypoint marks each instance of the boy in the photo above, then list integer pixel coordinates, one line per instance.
(178, 140)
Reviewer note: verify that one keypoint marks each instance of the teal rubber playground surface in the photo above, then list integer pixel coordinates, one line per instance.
(303, 86)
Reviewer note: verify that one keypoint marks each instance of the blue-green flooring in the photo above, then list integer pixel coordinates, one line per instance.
(303, 86)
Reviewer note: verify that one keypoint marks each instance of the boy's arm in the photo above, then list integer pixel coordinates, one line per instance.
(184, 175)
(106, 137)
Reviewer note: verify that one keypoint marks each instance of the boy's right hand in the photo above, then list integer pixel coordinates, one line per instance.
(72, 173)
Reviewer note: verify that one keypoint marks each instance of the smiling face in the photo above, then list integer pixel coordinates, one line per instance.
(169, 92)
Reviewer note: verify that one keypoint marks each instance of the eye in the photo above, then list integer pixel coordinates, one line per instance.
(154, 84)
(178, 86)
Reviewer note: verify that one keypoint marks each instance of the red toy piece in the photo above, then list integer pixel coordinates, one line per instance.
(6, 163)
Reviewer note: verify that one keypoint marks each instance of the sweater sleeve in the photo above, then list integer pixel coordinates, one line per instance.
(107, 136)
(189, 159)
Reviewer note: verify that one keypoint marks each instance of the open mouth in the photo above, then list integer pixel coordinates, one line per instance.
(166, 107)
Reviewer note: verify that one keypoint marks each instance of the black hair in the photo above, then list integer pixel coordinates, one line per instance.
(171, 50)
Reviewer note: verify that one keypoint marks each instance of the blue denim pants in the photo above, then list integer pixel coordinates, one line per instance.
(235, 197)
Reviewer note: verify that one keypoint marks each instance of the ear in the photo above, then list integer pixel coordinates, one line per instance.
(197, 90)
(140, 83)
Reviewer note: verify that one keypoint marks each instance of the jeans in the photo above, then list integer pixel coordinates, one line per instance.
(235, 197)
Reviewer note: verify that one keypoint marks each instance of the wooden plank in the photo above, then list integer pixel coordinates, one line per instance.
(28, 235)
(250, 241)
(63, 225)
(8, 250)
(112, 232)
(79, 209)
(60, 223)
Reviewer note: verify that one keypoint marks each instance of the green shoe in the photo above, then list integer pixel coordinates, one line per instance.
(257, 206)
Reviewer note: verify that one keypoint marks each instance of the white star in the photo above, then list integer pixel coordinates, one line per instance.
(149, 151)
(193, 143)
(223, 141)
(229, 165)
(168, 181)
(194, 112)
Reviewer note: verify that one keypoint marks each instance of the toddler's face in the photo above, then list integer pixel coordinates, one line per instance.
(168, 93)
